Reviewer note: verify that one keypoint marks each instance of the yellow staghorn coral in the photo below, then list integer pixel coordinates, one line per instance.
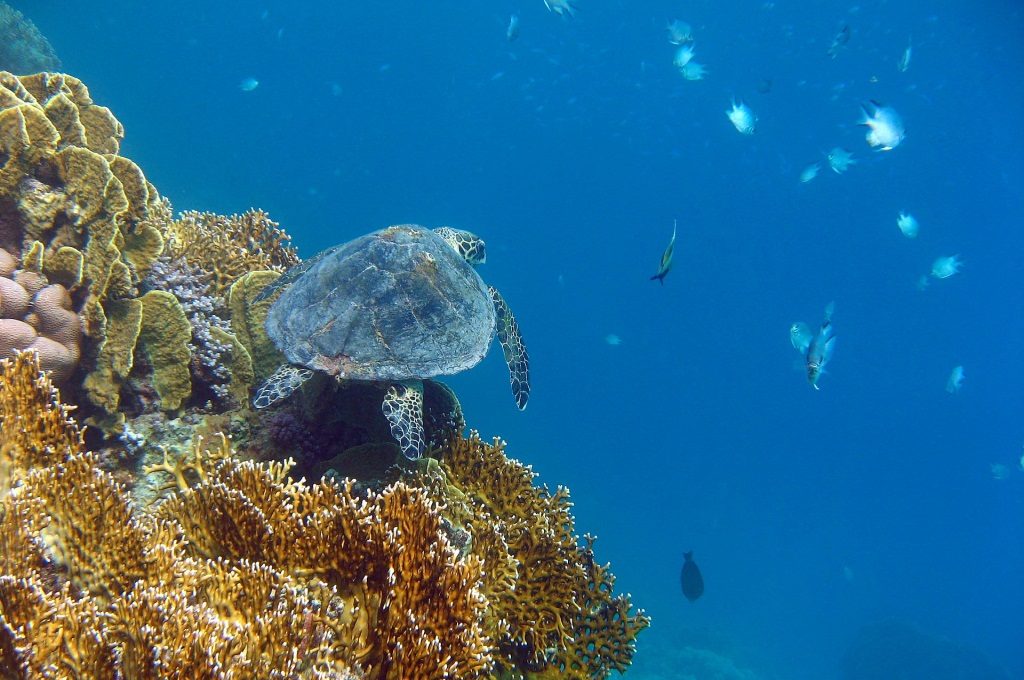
(230, 247)
(36, 430)
(552, 609)
(49, 633)
(418, 602)
(90, 587)
(243, 571)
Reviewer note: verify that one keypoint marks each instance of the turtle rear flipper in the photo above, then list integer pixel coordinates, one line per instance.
(515, 351)
(403, 407)
(280, 385)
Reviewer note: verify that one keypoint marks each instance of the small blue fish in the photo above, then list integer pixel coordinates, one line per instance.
(819, 351)
(248, 85)
(666, 258)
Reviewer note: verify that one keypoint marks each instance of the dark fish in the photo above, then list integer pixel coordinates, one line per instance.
(839, 42)
(666, 258)
(693, 582)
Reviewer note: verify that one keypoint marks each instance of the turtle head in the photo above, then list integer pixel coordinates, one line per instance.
(467, 244)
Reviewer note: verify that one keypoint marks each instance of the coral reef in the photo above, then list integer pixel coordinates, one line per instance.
(552, 609)
(241, 571)
(23, 49)
(36, 315)
(131, 549)
(76, 213)
(273, 576)
(230, 247)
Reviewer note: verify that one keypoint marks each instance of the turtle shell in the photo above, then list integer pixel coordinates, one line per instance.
(396, 304)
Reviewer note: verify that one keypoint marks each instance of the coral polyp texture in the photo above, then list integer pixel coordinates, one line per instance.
(138, 539)
(552, 607)
(277, 577)
(230, 247)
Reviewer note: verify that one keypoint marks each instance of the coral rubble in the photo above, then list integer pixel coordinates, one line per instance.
(131, 548)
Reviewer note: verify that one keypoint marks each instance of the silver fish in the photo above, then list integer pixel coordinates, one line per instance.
(512, 32)
(904, 63)
(666, 258)
(819, 351)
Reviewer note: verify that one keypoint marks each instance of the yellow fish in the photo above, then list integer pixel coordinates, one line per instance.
(666, 258)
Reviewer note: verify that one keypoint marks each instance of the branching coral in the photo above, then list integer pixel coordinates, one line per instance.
(243, 573)
(386, 553)
(230, 247)
(37, 431)
(95, 589)
(553, 610)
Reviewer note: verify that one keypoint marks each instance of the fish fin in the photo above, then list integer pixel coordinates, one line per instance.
(688, 555)
(830, 309)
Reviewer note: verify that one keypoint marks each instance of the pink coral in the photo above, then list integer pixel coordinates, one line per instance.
(37, 315)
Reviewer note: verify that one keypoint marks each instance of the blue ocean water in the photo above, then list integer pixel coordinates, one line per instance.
(572, 150)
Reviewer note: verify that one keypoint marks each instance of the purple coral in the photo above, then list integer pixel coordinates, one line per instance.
(192, 288)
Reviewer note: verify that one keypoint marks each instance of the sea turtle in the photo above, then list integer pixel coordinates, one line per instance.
(397, 305)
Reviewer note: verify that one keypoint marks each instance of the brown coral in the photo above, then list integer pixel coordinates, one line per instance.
(76, 214)
(418, 602)
(558, 616)
(37, 431)
(230, 247)
(92, 586)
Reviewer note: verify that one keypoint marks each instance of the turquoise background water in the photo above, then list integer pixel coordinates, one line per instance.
(572, 150)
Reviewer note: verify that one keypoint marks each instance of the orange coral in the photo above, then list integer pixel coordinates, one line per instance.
(558, 616)
(37, 430)
(91, 587)
(418, 601)
(230, 247)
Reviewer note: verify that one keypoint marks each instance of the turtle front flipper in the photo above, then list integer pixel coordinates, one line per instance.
(515, 351)
(280, 385)
(403, 407)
